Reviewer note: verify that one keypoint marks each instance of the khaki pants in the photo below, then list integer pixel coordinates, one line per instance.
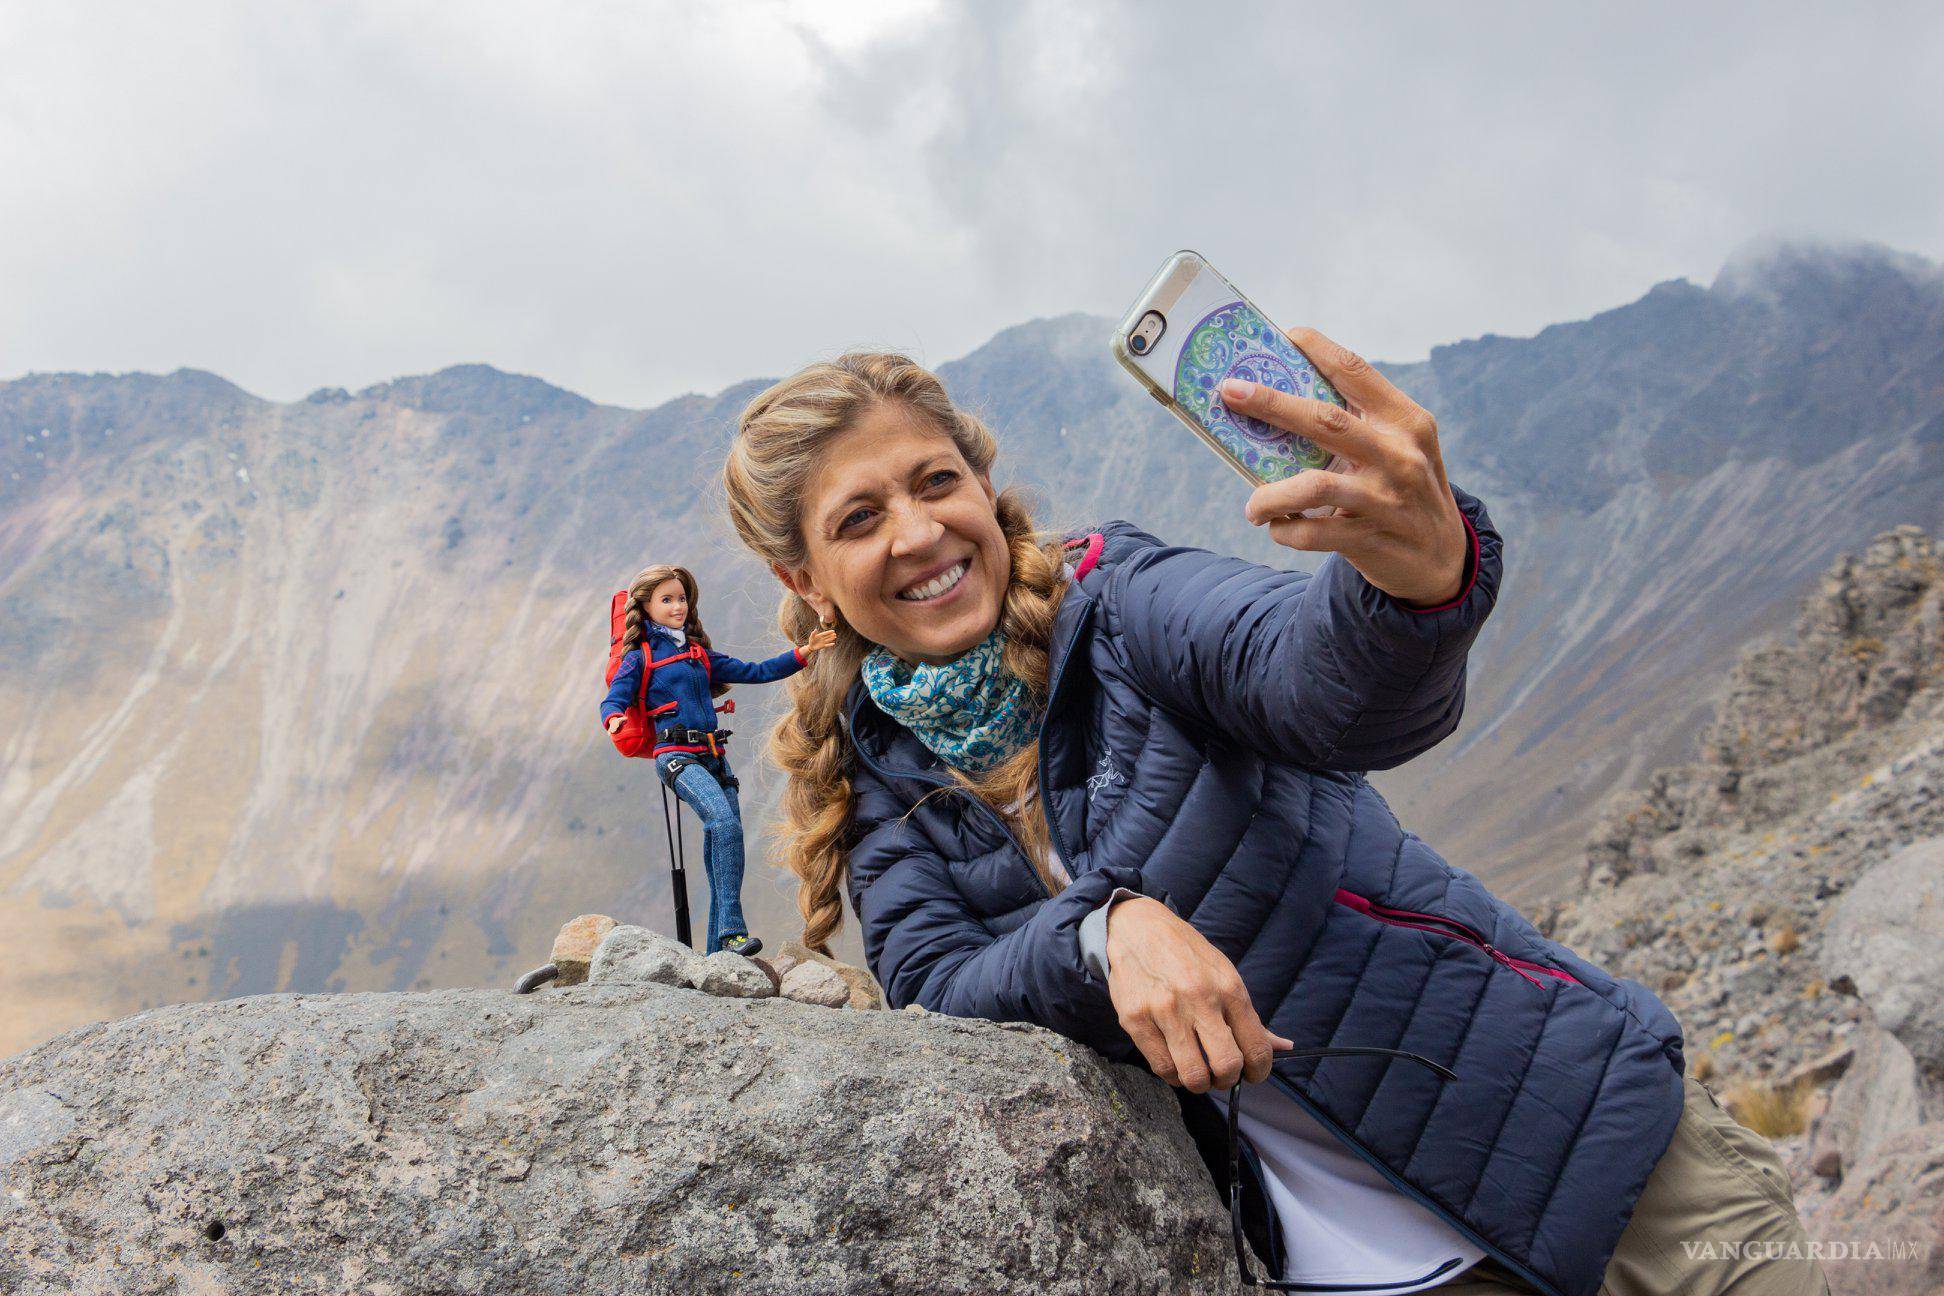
(1715, 1218)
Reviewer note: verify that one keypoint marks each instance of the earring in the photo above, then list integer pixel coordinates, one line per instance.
(828, 625)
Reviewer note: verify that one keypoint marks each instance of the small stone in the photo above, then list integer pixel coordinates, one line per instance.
(573, 948)
(731, 976)
(864, 991)
(783, 962)
(636, 955)
(813, 983)
(1828, 1163)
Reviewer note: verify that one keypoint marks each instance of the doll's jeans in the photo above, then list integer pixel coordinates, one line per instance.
(706, 787)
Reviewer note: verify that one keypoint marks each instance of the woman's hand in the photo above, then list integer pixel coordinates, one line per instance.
(1395, 519)
(819, 640)
(1182, 1001)
(614, 725)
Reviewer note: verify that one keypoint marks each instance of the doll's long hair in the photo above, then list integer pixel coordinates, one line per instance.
(780, 440)
(639, 591)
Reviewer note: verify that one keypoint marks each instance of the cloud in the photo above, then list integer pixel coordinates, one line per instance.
(639, 200)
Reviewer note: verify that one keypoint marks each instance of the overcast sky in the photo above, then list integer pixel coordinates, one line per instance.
(638, 199)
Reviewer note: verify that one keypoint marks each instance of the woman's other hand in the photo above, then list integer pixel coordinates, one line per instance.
(1182, 1001)
(614, 723)
(1395, 519)
(819, 640)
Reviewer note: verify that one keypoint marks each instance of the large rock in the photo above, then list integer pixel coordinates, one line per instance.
(1886, 935)
(1882, 1232)
(1880, 1097)
(604, 1138)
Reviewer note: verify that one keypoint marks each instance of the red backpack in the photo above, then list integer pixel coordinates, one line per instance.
(636, 736)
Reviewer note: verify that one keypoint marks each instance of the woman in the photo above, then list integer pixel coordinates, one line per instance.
(1020, 753)
(690, 752)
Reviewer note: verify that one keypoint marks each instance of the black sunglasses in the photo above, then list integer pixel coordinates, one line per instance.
(1235, 1150)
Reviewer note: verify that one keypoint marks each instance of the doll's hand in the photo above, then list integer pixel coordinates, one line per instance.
(819, 640)
(614, 723)
(1395, 519)
(1182, 1001)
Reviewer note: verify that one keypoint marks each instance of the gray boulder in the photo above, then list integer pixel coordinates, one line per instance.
(1880, 1097)
(1886, 935)
(614, 1138)
(1883, 1230)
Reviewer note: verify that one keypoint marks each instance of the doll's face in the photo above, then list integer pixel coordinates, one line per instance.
(668, 604)
(903, 539)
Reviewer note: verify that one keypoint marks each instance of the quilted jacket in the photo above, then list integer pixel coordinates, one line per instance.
(1208, 731)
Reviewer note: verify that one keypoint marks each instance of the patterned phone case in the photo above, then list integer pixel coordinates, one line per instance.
(1213, 332)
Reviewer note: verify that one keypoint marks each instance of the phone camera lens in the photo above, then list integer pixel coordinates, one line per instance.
(1137, 344)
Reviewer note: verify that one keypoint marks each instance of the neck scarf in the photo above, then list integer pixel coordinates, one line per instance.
(970, 711)
(679, 636)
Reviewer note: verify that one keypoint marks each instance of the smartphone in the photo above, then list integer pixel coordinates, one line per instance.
(1188, 330)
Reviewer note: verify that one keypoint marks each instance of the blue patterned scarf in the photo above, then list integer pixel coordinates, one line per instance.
(971, 711)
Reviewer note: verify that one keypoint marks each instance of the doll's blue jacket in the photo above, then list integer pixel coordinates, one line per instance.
(685, 684)
(1209, 727)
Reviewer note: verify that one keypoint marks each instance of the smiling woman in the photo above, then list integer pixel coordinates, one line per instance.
(903, 538)
(1117, 788)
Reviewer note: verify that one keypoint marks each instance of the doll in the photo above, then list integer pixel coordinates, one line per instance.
(690, 753)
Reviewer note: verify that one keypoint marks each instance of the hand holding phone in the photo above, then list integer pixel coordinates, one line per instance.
(1191, 328)
(1361, 476)
(1392, 514)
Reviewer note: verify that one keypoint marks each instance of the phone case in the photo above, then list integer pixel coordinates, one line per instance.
(1213, 332)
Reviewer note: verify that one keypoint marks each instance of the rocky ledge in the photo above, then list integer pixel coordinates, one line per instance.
(618, 1136)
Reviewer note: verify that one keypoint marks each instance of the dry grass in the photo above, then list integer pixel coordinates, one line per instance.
(1702, 1067)
(1770, 1110)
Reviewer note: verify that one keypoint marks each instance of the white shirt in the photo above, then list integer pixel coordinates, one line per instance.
(1342, 1222)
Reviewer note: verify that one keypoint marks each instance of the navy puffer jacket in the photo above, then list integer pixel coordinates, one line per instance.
(1207, 734)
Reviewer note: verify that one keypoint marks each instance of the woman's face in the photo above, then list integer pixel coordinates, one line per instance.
(668, 604)
(903, 539)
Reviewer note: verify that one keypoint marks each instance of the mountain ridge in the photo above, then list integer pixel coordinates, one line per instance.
(341, 726)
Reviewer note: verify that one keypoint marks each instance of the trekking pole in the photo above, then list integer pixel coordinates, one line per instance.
(676, 869)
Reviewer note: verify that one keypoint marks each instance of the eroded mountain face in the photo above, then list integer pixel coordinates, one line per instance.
(1713, 883)
(302, 696)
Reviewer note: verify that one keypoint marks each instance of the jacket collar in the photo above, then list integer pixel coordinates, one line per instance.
(889, 744)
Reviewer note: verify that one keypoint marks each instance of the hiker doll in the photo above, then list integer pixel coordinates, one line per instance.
(689, 752)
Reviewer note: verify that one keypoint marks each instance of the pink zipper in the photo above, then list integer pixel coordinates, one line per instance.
(1448, 927)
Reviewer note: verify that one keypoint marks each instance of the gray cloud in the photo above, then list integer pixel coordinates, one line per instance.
(638, 201)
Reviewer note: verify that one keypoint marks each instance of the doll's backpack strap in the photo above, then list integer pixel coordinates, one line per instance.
(636, 736)
(617, 627)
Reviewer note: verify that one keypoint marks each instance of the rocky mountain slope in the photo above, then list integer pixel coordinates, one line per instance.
(301, 696)
(1784, 893)
(1713, 884)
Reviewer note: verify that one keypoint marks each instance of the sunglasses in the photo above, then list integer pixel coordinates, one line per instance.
(1249, 1278)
